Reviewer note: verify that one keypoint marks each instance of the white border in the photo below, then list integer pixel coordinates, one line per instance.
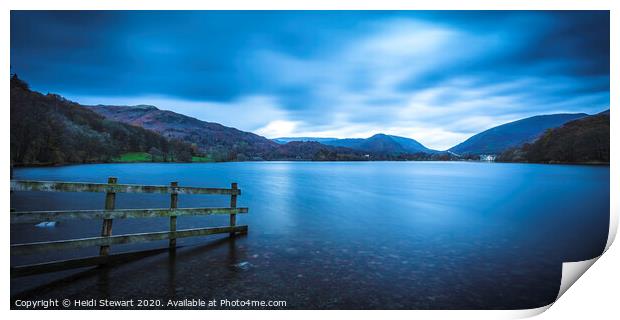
(597, 296)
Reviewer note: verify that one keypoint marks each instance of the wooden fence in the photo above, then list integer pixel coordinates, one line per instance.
(108, 214)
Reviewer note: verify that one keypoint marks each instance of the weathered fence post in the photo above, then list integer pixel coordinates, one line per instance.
(174, 200)
(233, 204)
(106, 228)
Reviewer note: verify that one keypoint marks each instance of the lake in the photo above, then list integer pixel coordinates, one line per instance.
(340, 235)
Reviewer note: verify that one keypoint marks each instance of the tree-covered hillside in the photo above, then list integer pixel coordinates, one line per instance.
(48, 129)
(585, 140)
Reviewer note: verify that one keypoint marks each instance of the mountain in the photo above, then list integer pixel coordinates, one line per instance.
(216, 141)
(585, 140)
(411, 145)
(48, 129)
(220, 143)
(377, 144)
(513, 134)
(223, 143)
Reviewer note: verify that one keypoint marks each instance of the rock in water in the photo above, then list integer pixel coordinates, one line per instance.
(242, 265)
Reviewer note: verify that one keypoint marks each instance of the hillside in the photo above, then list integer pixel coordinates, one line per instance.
(586, 140)
(214, 140)
(48, 129)
(380, 144)
(513, 134)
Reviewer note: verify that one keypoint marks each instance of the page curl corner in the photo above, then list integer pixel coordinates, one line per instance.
(571, 271)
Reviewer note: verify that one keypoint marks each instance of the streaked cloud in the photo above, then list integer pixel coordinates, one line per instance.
(437, 77)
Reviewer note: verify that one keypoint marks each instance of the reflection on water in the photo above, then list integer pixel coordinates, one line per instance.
(341, 235)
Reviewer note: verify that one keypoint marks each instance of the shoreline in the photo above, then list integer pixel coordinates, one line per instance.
(26, 166)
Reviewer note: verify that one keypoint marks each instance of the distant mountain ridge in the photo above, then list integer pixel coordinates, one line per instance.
(512, 134)
(226, 144)
(220, 143)
(378, 143)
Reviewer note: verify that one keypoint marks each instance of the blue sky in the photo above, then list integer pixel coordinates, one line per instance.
(437, 77)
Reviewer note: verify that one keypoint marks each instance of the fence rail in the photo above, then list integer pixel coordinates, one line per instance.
(59, 186)
(36, 247)
(44, 216)
(108, 214)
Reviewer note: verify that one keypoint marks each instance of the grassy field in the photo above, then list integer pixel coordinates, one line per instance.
(202, 159)
(134, 157)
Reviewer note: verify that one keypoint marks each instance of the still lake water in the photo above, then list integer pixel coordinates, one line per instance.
(341, 235)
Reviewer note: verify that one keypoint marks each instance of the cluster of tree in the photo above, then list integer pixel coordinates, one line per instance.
(315, 151)
(312, 150)
(48, 129)
(417, 156)
(581, 141)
